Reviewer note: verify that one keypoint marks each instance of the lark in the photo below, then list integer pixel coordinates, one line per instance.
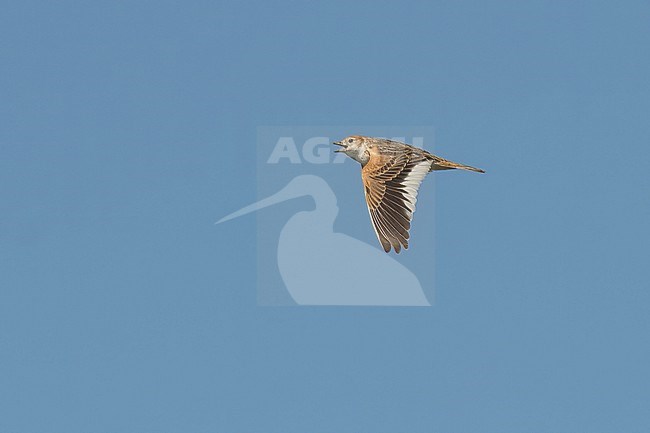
(391, 173)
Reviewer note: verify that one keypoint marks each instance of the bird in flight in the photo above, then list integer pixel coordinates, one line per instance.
(392, 172)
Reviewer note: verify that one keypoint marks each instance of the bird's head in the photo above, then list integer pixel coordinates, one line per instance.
(356, 147)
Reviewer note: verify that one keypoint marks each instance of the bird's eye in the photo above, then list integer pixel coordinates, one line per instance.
(350, 140)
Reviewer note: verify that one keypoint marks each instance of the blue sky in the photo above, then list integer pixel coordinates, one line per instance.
(128, 128)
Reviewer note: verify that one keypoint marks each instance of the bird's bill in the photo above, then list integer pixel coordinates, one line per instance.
(338, 143)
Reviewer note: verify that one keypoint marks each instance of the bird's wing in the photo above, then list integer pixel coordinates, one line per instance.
(391, 186)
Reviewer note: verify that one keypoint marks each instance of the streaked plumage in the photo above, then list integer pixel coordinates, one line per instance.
(391, 174)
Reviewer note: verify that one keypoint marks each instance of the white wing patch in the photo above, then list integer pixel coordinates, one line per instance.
(412, 182)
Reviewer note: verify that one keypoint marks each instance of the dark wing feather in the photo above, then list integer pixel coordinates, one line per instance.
(391, 186)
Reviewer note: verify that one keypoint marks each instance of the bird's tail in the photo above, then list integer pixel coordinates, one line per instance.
(443, 164)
